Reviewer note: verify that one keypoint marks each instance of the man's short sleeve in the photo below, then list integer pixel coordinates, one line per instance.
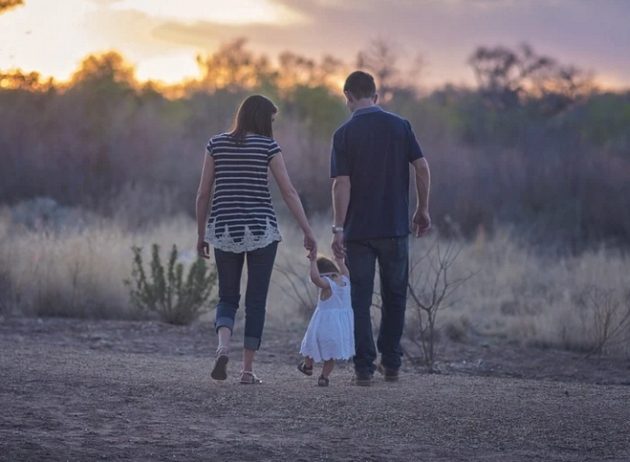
(339, 162)
(414, 150)
(274, 149)
(209, 147)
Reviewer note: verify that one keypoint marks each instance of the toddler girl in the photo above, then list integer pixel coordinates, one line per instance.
(330, 333)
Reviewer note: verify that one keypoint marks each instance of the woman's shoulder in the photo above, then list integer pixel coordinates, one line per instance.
(219, 139)
(254, 138)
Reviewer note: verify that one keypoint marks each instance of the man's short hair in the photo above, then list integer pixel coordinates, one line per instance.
(360, 84)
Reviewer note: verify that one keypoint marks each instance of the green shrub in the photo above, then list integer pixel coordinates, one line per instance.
(177, 300)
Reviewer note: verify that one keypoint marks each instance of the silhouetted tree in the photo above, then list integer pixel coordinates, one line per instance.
(234, 68)
(28, 81)
(104, 139)
(508, 77)
(6, 5)
(109, 69)
(381, 59)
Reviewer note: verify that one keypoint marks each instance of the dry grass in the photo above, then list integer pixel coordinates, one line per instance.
(70, 271)
(515, 293)
(522, 295)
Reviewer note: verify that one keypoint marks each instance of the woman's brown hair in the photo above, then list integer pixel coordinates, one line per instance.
(325, 265)
(254, 115)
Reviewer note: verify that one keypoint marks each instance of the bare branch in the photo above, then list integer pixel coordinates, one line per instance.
(436, 289)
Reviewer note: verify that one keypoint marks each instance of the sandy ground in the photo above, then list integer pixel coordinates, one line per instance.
(105, 390)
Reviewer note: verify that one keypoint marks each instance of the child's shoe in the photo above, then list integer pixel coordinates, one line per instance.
(304, 369)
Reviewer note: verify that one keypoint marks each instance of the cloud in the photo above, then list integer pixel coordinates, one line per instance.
(238, 11)
(592, 35)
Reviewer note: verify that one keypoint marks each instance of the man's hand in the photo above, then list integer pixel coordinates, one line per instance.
(337, 246)
(203, 249)
(421, 223)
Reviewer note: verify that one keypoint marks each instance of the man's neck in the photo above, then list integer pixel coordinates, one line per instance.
(364, 103)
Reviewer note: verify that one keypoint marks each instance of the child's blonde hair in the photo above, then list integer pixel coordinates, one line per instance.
(326, 265)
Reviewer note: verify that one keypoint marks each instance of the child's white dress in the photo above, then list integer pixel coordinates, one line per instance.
(330, 333)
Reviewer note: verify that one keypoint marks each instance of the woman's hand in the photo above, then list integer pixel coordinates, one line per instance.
(203, 248)
(310, 244)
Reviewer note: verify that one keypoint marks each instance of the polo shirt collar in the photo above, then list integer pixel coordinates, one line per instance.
(366, 110)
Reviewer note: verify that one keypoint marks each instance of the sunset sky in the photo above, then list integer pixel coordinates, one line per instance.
(163, 37)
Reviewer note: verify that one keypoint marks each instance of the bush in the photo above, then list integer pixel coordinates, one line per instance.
(604, 321)
(166, 293)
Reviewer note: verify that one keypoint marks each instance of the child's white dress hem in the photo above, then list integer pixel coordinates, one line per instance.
(330, 332)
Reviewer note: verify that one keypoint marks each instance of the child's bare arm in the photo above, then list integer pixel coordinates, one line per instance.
(316, 278)
(342, 266)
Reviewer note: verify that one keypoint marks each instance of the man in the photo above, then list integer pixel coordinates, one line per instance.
(370, 160)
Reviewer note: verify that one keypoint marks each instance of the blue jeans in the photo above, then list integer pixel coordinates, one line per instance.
(392, 255)
(259, 268)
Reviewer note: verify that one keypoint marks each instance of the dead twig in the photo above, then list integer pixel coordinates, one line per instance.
(429, 292)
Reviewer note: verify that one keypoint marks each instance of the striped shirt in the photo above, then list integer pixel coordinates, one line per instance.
(242, 217)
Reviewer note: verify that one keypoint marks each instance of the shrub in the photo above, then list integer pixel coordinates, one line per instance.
(297, 287)
(605, 321)
(177, 300)
(431, 288)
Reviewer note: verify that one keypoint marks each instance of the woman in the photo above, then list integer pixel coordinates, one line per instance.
(242, 224)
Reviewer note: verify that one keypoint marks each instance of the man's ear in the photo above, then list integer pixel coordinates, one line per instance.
(375, 98)
(349, 96)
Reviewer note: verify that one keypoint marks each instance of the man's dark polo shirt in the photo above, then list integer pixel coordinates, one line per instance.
(374, 148)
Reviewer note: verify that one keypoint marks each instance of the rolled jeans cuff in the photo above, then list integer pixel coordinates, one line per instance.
(224, 321)
(252, 343)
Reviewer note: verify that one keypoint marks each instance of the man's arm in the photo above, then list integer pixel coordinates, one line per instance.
(421, 217)
(342, 266)
(341, 200)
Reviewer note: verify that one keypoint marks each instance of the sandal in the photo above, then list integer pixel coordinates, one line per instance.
(322, 381)
(248, 378)
(304, 369)
(219, 371)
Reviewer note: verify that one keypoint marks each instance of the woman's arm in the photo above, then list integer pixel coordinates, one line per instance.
(204, 194)
(292, 199)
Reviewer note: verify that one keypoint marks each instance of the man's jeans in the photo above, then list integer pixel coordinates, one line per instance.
(229, 268)
(392, 255)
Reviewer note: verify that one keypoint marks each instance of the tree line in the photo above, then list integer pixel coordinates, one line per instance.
(535, 145)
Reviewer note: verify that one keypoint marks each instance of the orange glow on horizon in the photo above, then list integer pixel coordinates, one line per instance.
(162, 39)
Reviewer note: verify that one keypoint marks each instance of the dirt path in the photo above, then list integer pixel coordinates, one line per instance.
(76, 390)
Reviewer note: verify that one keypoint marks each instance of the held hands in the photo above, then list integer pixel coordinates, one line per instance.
(310, 244)
(341, 261)
(203, 248)
(421, 223)
(337, 246)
